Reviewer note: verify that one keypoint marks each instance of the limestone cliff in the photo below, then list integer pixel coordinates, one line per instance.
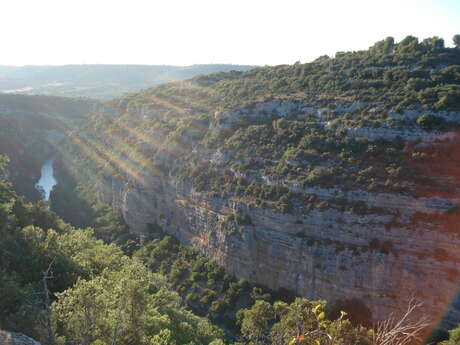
(402, 246)
(336, 179)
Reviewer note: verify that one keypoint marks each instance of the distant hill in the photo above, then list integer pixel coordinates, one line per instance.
(97, 81)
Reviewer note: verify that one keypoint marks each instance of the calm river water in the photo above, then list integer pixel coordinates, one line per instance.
(47, 180)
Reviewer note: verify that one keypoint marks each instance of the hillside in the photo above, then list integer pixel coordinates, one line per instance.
(97, 81)
(309, 177)
(334, 180)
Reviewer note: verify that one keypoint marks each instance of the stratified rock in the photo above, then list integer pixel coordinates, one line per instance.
(402, 246)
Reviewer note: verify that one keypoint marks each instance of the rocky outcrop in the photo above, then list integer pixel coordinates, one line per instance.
(409, 133)
(10, 338)
(298, 110)
(281, 109)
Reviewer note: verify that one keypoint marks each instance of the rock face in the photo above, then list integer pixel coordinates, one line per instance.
(381, 259)
(405, 247)
(10, 338)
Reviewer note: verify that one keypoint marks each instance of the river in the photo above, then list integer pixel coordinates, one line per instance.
(47, 180)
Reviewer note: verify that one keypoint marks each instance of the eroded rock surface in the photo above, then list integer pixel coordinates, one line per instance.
(403, 246)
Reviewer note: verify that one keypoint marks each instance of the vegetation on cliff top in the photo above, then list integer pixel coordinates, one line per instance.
(228, 147)
(405, 74)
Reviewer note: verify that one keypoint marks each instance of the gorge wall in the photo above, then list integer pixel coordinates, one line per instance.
(336, 180)
(401, 247)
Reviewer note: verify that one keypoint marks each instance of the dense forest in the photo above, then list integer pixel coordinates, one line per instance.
(73, 272)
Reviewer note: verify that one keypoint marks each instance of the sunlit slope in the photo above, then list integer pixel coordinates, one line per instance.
(308, 177)
(301, 122)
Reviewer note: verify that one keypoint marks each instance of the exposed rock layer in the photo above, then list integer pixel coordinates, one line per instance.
(406, 246)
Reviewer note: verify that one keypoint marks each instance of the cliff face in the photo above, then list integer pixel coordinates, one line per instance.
(336, 179)
(402, 246)
(324, 254)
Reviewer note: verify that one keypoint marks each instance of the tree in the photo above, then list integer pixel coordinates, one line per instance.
(304, 322)
(385, 46)
(389, 45)
(128, 306)
(456, 40)
(94, 310)
(454, 337)
(428, 122)
(408, 45)
(256, 322)
(402, 330)
(433, 43)
(4, 160)
(46, 302)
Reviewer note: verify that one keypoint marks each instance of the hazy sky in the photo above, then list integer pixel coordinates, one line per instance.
(183, 32)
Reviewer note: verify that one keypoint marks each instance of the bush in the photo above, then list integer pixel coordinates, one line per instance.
(429, 122)
(243, 219)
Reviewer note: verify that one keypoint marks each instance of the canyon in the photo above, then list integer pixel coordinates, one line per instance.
(401, 249)
(298, 178)
(383, 258)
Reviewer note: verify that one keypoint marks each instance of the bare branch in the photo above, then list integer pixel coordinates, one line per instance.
(46, 302)
(402, 330)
